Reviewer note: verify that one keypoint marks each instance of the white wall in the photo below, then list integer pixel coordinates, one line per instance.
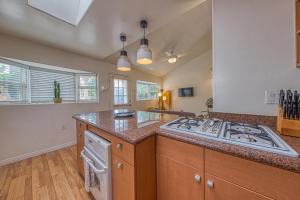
(253, 50)
(32, 128)
(197, 74)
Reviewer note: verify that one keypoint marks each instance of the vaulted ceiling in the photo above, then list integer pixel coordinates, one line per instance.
(182, 25)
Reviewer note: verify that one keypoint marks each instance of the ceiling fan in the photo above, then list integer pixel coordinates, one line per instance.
(172, 57)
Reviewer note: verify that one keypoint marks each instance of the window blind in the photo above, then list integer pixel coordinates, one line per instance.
(13, 82)
(42, 85)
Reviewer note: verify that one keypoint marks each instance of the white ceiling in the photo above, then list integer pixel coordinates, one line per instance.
(183, 24)
(188, 34)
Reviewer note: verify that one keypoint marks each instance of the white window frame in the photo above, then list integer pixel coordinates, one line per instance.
(27, 100)
(86, 87)
(148, 83)
(26, 86)
(123, 79)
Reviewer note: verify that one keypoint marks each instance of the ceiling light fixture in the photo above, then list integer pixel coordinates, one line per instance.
(144, 54)
(172, 59)
(123, 62)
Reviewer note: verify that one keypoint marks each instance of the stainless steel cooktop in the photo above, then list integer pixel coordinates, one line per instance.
(252, 136)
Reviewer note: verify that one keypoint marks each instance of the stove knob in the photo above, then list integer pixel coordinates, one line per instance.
(210, 184)
(197, 178)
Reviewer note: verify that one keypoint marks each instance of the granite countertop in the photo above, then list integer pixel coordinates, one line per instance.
(131, 129)
(145, 124)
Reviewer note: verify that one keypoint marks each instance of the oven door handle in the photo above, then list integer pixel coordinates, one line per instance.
(90, 163)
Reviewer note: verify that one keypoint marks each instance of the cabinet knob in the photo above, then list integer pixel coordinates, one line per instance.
(119, 165)
(210, 184)
(119, 146)
(197, 178)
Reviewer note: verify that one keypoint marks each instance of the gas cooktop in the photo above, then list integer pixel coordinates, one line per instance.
(252, 136)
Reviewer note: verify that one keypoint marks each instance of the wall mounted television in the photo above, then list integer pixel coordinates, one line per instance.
(185, 92)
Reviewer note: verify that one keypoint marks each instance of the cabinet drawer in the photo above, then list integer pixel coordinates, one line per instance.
(263, 179)
(123, 149)
(223, 190)
(120, 148)
(122, 179)
(182, 152)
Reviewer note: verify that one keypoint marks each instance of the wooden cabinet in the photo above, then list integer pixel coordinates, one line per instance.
(263, 179)
(219, 189)
(176, 180)
(133, 165)
(80, 128)
(122, 179)
(180, 172)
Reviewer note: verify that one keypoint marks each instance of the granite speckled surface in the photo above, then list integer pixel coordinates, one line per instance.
(145, 124)
(132, 129)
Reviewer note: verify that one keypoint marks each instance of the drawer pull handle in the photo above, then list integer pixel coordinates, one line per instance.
(197, 178)
(119, 165)
(119, 146)
(210, 184)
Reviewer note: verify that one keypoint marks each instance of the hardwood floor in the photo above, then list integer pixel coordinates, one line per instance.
(50, 176)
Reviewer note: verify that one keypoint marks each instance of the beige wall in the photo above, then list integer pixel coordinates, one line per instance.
(25, 129)
(253, 51)
(197, 74)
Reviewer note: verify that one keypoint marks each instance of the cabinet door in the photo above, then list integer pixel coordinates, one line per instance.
(122, 179)
(80, 128)
(219, 189)
(175, 180)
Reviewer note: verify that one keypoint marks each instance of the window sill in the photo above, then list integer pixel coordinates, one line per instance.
(120, 105)
(147, 100)
(40, 104)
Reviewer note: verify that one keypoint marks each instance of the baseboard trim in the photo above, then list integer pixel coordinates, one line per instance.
(35, 153)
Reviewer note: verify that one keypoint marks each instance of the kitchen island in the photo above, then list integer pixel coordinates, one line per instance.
(151, 163)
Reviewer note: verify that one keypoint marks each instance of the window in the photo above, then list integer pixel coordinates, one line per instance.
(42, 85)
(146, 90)
(13, 83)
(26, 84)
(87, 87)
(120, 91)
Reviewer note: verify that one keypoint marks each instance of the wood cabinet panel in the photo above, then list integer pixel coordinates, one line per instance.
(123, 149)
(80, 128)
(266, 180)
(145, 170)
(122, 179)
(183, 152)
(177, 181)
(224, 190)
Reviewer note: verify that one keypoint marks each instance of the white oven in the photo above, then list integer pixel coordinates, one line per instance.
(97, 166)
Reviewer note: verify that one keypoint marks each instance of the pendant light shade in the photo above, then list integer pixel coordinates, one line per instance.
(144, 54)
(123, 61)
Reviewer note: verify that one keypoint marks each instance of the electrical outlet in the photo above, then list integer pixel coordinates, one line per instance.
(272, 96)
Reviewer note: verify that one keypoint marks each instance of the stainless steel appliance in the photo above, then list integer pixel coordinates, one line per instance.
(252, 136)
(97, 166)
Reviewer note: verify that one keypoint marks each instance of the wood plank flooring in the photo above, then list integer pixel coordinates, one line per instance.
(50, 176)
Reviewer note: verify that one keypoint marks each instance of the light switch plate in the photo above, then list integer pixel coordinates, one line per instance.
(272, 96)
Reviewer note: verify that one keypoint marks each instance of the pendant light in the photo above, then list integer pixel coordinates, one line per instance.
(123, 62)
(144, 54)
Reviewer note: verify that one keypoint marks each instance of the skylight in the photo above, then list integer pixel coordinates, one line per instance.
(71, 11)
